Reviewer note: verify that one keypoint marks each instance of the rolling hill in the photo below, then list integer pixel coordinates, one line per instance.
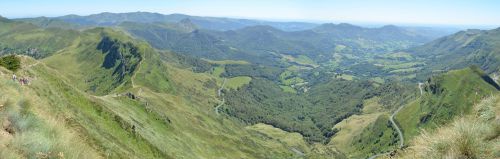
(465, 48)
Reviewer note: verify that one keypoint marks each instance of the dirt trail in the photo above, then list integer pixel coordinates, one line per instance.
(219, 94)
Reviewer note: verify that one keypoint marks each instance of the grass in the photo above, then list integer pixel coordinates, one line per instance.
(217, 71)
(405, 70)
(86, 65)
(289, 78)
(300, 60)
(177, 122)
(288, 89)
(446, 97)
(352, 128)
(36, 135)
(346, 77)
(237, 82)
(377, 137)
(294, 140)
(472, 136)
(405, 65)
(228, 62)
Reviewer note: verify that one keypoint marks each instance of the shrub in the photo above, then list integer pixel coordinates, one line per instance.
(10, 62)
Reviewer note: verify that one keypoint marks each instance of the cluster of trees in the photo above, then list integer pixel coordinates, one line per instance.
(10, 62)
(380, 136)
(186, 61)
(313, 114)
(271, 73)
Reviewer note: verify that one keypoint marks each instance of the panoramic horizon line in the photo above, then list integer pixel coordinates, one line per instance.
(284, 20)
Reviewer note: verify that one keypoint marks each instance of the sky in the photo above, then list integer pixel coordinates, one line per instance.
(440, 12)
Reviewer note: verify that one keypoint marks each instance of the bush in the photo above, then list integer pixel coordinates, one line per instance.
(10, 62)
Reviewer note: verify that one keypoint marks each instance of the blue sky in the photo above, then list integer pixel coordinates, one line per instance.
(448, 12)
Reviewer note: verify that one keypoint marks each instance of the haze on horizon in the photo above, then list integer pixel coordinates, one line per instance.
(418, 12)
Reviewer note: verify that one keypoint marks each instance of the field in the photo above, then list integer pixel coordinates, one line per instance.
(237, 82)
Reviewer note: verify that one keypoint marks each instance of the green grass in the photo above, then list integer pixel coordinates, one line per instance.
(228, 62)
(446, 97)
(470, 136)
(101, 61)
(237, 82)
(376, 138)
(300, 60)
(288, 89)
(169, 126)
(405, 65)
(352, 127)
(217, 71)
(178, 120)
(346, 77)
(35, 133)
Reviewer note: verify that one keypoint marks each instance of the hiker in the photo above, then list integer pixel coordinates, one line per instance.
(26, 81)
(14, 77)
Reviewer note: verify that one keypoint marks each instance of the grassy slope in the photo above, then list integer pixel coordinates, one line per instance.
(445, 97)
(237, 82)
(476, 135)
(84, 62)
(173, 118)
(352, 128)
(168, 126)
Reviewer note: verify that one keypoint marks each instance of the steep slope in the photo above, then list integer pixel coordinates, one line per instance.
(475, 135)
(445, 97)
(99, 61)
(150, 109)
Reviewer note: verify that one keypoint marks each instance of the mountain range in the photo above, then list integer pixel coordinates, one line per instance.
(147, 85)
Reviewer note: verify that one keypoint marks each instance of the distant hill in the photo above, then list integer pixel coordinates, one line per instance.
(210, 23)
(264, 44)
(470, 47)
(28, 39)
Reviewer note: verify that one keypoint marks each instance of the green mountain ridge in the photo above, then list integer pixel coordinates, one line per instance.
(465, 48)
(152, 121)
(445, 97)
(116, 94)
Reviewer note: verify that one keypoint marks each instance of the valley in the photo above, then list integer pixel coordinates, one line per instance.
(149, 85)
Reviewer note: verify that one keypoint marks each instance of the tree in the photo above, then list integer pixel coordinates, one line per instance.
(10, 62)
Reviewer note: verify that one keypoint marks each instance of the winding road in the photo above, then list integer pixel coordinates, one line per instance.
(219, 94)
(400, 134)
